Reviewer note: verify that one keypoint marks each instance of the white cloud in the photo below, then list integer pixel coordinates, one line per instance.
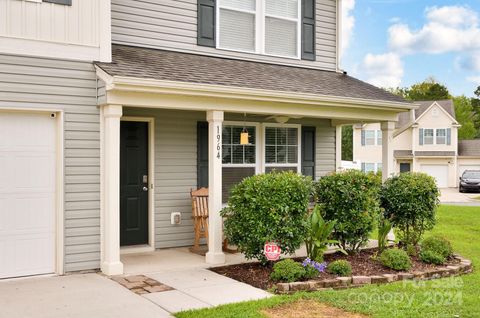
(348, 23)
(448, 29)
(383, 70)
(474, 79)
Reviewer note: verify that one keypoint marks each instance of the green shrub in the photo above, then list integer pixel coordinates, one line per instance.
(318, 235)
(349, 198)
(310, 272)
(384, 227)
(410, 202)
(340, 268)
(431, 257)
(268, 207)
(287, 271)
(435, 250)
(438, 244)
(396, 259)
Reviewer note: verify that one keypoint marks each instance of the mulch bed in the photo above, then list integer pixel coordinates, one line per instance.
(363, 264)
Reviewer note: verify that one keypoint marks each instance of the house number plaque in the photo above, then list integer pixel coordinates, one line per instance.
(219, 143)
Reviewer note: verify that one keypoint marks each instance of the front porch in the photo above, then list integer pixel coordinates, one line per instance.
(193, 140)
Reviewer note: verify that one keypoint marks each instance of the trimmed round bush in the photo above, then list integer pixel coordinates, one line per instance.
(349, 198)
(287, 271)
(396, 259)
(431, 257)
(435, 250)
(340, 268)
(265, 208)
(410, 202)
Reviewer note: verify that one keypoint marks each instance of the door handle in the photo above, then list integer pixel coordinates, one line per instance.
(145, 189)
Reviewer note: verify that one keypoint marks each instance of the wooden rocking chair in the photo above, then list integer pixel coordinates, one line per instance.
(199, 216)
(200, 221)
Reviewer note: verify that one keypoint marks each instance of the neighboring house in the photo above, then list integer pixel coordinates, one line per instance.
(425, 140)
(96, 156)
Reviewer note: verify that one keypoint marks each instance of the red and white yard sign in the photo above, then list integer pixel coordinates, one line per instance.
(272, 251)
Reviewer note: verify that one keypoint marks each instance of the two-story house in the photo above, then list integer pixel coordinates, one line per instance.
(99, 147)
(425, 140)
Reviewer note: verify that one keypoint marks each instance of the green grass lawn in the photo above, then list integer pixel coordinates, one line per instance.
(449, 297)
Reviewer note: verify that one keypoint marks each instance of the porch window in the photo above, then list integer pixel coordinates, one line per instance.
(441, 136)
(238, 161)
(282, 148)
(269, 27)
(428, 136)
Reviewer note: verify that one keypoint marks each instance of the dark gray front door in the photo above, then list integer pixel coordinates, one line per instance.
(404, 167)
(133, 183)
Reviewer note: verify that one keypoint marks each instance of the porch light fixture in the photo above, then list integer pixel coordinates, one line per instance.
(244, 134)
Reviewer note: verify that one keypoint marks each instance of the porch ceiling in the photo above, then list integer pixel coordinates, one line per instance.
(164, 79)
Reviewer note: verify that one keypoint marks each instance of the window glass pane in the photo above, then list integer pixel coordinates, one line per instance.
(249, 154)
(280, 37)
(293, 136)
(292, 154)
(270, 154)
(251, 135)
(270, 134)
(379, 167)
(237, 30)
(370, 137)
(282, 8)
(236, 131)
(281, 154)
(281, 136)
(379, 137)
(226, 154)
(232, 176)
(227, 135)
(237, 154)
(428, 136)
(239, 4)
(369, 167)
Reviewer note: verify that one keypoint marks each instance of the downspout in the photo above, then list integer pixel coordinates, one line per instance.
(339, 36)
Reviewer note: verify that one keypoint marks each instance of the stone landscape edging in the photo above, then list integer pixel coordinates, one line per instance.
(464, 267)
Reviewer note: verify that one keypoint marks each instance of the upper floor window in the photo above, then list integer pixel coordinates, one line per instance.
(428, 136)
(441, 136)
(371, 137)
(260, 26)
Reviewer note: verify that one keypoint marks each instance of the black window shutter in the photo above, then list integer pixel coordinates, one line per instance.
(206, 23)
(308, 151)
(202, 154)
(64, 2)
(308, 30)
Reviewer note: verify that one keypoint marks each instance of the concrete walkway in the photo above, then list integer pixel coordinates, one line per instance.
(79, 295)
(200, 288)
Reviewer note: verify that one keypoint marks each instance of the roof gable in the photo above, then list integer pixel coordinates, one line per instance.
(436, 109)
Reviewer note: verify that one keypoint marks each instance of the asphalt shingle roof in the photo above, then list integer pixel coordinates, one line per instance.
(469, 147)
(404, 118)
(184, 67)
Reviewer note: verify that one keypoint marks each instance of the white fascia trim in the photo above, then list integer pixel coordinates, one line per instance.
(121, 83)
(455, 122)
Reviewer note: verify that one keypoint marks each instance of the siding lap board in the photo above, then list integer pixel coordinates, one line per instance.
(172, 25)
(29, 82)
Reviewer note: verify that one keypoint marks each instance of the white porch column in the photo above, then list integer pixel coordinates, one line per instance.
(111, 264)
(388, 165)
(338, 146)
(215, 232)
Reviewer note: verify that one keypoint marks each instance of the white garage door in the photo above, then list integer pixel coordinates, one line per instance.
(439, 172)
(27, 194)
(462, 168)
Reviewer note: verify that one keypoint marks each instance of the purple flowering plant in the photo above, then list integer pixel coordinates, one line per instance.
(320, 267)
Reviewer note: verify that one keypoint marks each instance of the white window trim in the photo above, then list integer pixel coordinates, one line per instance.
(299, 146)
(444, 136)
(260, 142)
(257, 146)
(260, 15)
(435, 135)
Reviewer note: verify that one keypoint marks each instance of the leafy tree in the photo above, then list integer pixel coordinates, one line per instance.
(476, 110)
(465, 116)
(347, 143)
(429, 89)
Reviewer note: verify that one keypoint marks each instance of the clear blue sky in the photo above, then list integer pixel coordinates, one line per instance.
(401, 42)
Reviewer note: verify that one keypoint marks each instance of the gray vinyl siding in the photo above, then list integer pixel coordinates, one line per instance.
(176, 165)
(172, 25)
(29, 82)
